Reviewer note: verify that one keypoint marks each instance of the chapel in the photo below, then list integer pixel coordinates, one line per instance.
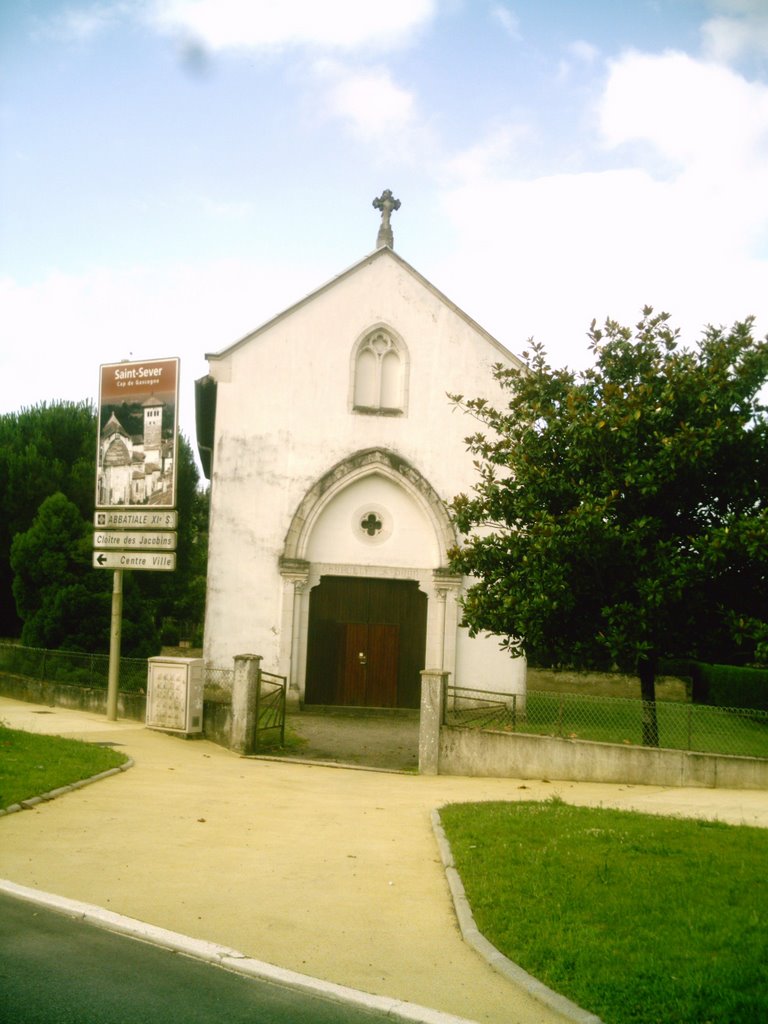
(333, 452)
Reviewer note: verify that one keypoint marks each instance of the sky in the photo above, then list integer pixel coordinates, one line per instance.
(173, 173)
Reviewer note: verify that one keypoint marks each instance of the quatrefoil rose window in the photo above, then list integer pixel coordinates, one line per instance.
(372, 524)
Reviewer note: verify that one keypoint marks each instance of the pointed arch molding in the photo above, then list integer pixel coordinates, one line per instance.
(356, 467)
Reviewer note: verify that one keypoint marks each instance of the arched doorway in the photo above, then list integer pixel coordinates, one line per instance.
(364, 572)
(366, 642)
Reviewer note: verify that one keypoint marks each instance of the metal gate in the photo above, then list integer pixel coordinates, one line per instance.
(270, 710)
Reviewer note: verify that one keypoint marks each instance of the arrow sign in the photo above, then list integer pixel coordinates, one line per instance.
(134, 560)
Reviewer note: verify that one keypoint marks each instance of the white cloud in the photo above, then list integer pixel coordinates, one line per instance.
(487, 157)
(558, 251)
(713, 125)
(270, 24)
(581, 55)
(107, 315)
(218, 25)
(82, 23)
(372, 106)
(743, 31)
(508, 21)
(221, 209)
(690, 112)
(583, 51)
(562, 249)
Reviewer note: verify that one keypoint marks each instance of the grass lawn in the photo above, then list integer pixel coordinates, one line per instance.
(31, 764)
(637, 918)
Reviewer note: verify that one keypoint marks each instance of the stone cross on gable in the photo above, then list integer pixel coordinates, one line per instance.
(386, 203)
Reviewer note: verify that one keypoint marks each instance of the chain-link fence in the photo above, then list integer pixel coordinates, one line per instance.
(679, 726)
(81, 669)
(74, 667)
(218, 681)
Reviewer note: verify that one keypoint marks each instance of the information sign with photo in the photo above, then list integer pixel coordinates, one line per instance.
(137, 451)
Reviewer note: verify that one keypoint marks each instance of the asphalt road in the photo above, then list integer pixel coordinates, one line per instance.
(57, 970)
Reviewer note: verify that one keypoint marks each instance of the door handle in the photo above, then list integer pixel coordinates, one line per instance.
(362, 659)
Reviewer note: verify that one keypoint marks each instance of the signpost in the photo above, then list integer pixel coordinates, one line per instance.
(136, 470)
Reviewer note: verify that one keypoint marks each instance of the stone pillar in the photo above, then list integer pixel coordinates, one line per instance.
(299, 586)
(433, 683)
(442, 593)
(447, 588)
(295, 574)
(242, 736)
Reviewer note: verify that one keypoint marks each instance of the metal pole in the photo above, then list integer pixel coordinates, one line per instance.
(114, 645)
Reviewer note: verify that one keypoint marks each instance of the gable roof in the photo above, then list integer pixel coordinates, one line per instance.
(382, 253)
(113, 426)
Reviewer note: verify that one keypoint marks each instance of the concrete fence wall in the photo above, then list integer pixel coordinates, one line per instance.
(217, 716)
(519, 756)
(69, 695)
(453, 750)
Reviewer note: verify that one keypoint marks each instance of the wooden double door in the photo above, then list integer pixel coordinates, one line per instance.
(366, 642)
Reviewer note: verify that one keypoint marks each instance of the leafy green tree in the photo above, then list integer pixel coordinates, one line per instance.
(64, 602)
(44, 449)
(189, 607)
(51, 449)
(621, 513)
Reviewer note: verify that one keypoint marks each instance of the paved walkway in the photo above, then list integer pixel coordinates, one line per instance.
(330, 872)
(358, 739)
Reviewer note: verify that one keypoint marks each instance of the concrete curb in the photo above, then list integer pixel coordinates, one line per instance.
(229, 959)
(488, 952)
(32, 801)
(319, 763)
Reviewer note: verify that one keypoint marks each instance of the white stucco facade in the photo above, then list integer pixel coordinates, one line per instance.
(335, 453)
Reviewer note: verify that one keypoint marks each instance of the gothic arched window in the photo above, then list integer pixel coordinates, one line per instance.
(379, 374)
